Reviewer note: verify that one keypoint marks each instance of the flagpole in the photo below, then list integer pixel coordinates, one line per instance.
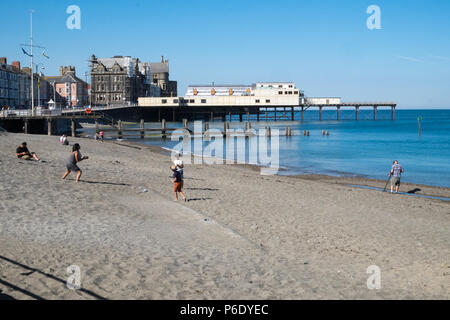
(31, 69)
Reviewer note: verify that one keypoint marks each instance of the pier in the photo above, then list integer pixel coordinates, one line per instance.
(23, 120)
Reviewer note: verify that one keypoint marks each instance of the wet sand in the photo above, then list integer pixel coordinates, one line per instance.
(242, 236)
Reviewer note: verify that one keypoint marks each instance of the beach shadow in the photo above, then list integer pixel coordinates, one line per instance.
(50, 276)
(5, 296)
(199, 199)
(202, 189)
(16, 288)
(414, 191)
(107, 183)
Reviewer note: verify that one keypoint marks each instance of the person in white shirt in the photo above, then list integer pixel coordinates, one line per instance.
(63, 140)
(179, 167)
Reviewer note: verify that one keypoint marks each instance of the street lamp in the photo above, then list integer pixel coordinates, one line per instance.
(39, 75)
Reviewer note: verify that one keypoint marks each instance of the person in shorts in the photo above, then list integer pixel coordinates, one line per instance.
(180, 166)
(72, 161)
(395, 174)
(23, 153)
(177, 183)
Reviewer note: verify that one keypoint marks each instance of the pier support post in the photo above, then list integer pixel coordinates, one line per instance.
(96, 127)
(240, 117)
(248, 116)
(142, 126)
(292, 113)
(275, 112)
(303, 110)
(173, 115)
(49, 126)
(229, 116)
(185, 123)
(119, 133)
(339, 113)
(393, 113)
(73, 126)
(257, 116)
(320, 113)
(212, 116)
(267, 116)
(374, 113)
(357, 113)
(226, 126)
(248, 126)
(25, 125)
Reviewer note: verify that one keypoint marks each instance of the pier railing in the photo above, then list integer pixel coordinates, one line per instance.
(30, 113)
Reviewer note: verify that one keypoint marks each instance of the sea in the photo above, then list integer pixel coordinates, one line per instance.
(418, 139)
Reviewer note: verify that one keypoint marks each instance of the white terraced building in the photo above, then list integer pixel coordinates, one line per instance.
(262, 94)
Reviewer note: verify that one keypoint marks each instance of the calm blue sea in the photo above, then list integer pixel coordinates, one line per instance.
(365, 147)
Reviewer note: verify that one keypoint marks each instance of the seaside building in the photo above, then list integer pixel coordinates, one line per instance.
(9, 84)
(160, 77)
(40, 88)
(260, 94)
(67, 90)
(120, 80)
(218, 90)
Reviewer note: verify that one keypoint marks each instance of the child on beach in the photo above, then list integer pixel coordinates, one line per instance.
(72, 161)
(178, 183)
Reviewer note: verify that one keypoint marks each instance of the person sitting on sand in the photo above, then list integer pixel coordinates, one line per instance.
(178, 183)
(23, 153)
(63, 140)
(396, 173)
(72, 161)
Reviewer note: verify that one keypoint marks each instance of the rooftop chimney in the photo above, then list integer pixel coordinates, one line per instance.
(162, 59)
(3, 60)
(16, 64)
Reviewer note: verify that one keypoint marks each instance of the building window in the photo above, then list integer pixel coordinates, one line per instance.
(257, 101)
(291, 86)
(203, 100)
(267, 101)
(175, 101)
(192, 101)
(295, 92)
(290, 92)
(164, 101)
(280, 92)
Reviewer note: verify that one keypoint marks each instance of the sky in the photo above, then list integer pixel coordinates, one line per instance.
(324, 46)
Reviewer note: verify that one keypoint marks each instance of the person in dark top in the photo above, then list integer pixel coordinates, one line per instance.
(23, 153)
(177, 183)
(71, 163)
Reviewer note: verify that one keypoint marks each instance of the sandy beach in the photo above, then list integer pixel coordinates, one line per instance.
(242, 235)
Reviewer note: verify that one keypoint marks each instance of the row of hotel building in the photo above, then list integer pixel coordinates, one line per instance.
(123, 80)
(116, 80)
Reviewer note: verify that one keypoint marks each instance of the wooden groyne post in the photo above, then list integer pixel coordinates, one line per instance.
(142, 127)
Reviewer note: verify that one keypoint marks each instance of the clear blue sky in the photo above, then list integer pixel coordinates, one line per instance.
(324, 46)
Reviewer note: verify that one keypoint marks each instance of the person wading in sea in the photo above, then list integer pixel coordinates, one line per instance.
(396, 173)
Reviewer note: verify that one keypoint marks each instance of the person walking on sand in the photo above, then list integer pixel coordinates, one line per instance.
(102, 135)
(177, 183)
(180, 166)
(396, 173)
(23, 153)
(72, 161)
